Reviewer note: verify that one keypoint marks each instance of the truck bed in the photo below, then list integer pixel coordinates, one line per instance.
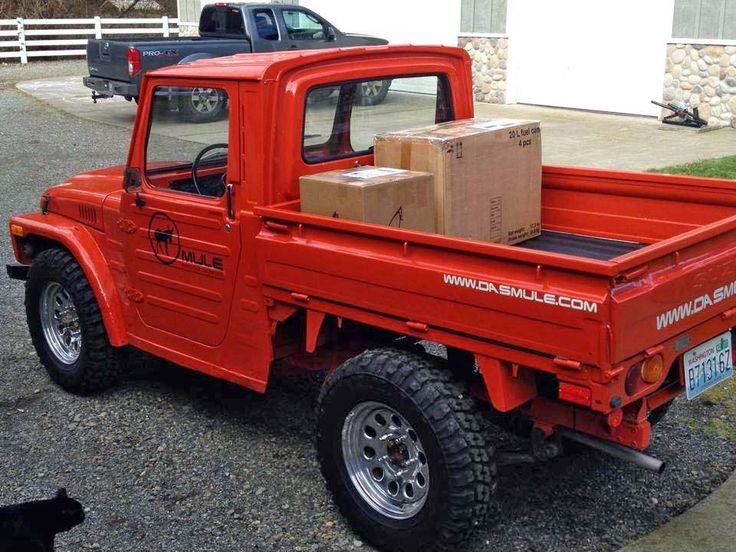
(620, 252)
(576, 245)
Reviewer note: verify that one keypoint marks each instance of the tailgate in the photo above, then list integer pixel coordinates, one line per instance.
(681, 291)
(108, 59)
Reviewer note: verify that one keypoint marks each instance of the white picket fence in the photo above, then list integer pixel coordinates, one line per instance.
(18, 37)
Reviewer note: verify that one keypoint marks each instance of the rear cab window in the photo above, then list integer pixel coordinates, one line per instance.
(341, 120)
(222, 20)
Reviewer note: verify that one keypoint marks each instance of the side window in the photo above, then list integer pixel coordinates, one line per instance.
(266, 24)
(303, 26)
(341, 120)
(187, 147)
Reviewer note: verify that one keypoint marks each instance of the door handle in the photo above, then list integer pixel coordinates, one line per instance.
(229, 197)
(293, 47)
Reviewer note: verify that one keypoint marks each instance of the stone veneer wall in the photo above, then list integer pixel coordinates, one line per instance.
(188, 30)
(490, 57)
(705, 77)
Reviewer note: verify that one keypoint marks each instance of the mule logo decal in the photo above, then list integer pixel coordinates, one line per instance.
(163, 235)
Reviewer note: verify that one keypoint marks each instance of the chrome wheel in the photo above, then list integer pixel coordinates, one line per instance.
(205, 100)
(60, 323)
(385, 460)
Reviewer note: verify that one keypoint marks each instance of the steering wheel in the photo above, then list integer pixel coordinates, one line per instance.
(198, 160)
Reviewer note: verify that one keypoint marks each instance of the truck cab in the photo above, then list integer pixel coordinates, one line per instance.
(196, 251)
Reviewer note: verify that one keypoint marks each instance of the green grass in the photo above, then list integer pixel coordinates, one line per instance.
(721, 167)
(723, 395)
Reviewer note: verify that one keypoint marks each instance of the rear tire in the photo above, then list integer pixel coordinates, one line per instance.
(66, 325)
(426, 429)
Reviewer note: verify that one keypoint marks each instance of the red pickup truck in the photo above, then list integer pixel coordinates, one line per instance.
(196, 251)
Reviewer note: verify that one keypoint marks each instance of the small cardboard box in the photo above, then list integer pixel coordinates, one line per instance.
(487, 175)
(379, 195)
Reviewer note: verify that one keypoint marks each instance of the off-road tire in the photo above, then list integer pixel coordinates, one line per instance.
(99, 365)
(449, 425)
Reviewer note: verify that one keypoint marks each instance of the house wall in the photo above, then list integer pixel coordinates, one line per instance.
(703, 76)
(482, 35)
(398, 21)
(490, 65)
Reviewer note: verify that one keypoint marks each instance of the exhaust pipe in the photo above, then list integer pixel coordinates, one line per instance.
(619, 451)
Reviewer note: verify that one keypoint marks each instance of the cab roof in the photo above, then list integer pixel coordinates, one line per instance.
(266, 66)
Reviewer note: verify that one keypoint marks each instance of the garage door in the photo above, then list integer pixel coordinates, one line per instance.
(606, 55)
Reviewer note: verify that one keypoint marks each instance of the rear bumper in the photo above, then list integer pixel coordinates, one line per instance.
(109, 87)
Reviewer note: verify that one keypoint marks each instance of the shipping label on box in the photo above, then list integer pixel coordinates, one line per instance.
(488, 175)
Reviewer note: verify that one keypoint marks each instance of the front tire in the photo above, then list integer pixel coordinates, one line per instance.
(403, 452)
(66, 325)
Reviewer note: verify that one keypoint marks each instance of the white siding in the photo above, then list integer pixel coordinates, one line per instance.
(398, 21)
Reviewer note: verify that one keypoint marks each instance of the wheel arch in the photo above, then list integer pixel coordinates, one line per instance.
(41, 232)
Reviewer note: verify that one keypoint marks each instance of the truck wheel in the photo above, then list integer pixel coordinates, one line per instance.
(66, 325)
(203, 105)
(372, 92)
(403, 452)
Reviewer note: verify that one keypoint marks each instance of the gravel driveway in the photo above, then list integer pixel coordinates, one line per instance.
(174, 461)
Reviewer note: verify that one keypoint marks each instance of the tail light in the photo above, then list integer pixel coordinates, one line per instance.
(134, 62)
(652, 368)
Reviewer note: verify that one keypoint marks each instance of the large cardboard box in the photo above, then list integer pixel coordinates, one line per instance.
(488, 175)
(380, 195)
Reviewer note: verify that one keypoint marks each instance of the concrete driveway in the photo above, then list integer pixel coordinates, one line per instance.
(570, 137)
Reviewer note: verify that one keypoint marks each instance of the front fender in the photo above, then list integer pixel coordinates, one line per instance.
(81, 243)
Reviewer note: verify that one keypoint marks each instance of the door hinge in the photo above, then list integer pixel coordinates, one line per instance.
(568, 363)
(301, 297)
(127, 225)
(417, 326)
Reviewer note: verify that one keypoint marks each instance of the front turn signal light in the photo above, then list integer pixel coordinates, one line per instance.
(652, 368)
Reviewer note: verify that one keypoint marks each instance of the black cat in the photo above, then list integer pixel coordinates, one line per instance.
(32, 526)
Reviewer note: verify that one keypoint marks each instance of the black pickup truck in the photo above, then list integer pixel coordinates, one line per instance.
(116, 66)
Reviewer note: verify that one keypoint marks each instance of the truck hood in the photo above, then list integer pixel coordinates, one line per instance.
(81, 197)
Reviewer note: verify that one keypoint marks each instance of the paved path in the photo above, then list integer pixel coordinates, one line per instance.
(615, 141)
(570, 137)
(707, 527)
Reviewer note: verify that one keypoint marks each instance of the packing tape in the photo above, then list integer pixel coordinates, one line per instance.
(406, 147)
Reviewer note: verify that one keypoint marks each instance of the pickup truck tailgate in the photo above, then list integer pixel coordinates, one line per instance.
(672, 294)
(108, 59)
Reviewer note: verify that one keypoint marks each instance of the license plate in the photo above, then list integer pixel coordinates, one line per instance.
(707, 365)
